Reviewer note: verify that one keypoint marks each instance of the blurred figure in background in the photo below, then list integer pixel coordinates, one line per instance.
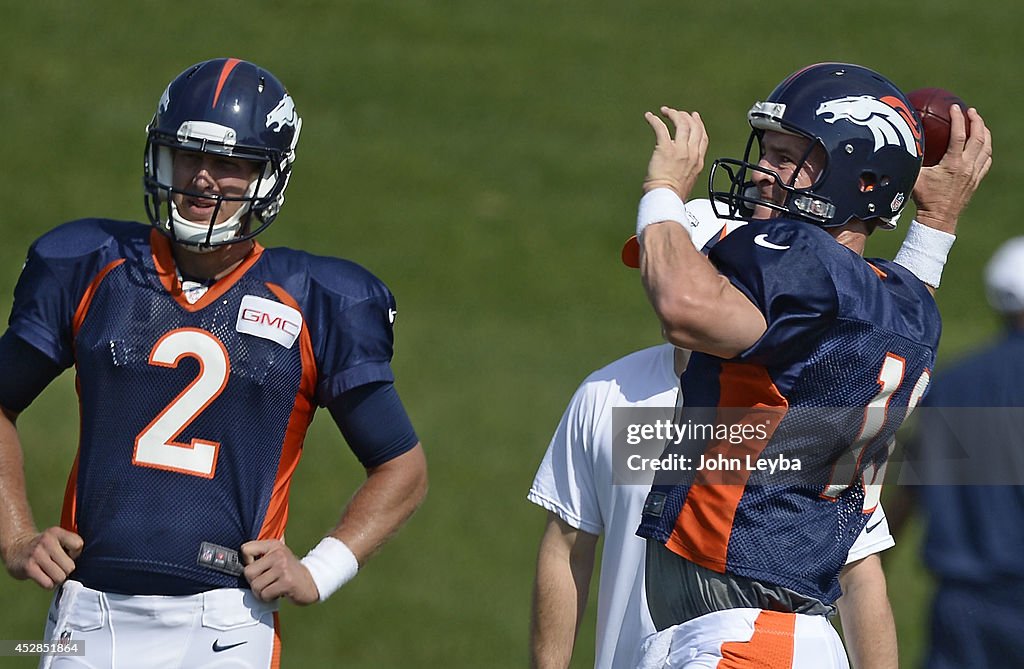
(970, 435)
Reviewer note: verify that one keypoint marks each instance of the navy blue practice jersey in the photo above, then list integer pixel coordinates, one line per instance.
(804, 420)
(192, 415)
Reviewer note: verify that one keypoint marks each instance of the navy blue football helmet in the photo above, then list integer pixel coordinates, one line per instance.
(872, 139)
(228, 107)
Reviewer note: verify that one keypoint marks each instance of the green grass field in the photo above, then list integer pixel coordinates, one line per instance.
(484, 159)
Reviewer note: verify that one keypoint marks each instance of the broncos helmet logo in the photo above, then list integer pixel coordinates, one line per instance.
(889, 120)
(165, 100)
(283, 114)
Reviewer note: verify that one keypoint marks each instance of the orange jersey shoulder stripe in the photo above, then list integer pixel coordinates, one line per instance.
(881, 274)
(83, 305)
(68, 518)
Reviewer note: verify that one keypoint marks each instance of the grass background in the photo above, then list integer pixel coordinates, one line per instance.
(484, 159)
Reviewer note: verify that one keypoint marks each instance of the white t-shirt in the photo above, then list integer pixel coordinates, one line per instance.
(574, 481)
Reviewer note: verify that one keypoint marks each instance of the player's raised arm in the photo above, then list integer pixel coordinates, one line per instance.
(941, 194)
(699, 308)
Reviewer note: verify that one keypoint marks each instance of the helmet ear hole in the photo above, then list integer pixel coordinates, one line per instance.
(869, 181)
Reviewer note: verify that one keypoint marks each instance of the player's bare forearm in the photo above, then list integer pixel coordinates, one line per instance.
(699, 309)
(565, 562)
(389, 496)
(15, 515)
(15, 518)
(866, 616)
(45, 557)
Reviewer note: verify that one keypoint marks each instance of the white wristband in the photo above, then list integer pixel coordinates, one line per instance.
(331, 564)
(661, 204)
(924, 252)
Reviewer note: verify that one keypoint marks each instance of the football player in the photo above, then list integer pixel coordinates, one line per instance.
(808, 353)
(200, 358)
(577, 484)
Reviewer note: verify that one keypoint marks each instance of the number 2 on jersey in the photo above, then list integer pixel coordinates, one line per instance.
(156, 445)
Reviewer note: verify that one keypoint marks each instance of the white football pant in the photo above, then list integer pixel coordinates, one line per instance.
(224, 628)
(746, 639)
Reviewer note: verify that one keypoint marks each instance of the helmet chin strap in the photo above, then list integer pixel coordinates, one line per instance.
(192, 234)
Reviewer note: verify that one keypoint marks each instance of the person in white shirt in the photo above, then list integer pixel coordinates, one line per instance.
(575, 483)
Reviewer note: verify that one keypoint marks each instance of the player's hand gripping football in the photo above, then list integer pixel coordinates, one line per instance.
(942, 191)
(676, 161)
(48, 558)
(273, 571)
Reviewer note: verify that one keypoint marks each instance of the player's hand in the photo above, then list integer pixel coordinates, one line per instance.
(943, 190)
(273, 571)
(47, 558)
(676, 161)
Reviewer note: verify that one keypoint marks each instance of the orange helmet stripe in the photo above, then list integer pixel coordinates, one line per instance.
(228, 66)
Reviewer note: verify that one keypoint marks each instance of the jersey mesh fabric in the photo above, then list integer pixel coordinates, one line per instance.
(143, 520)
(811, 534)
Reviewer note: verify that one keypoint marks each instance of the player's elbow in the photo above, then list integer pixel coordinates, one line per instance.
(713, 318)
(404, 477)
(422, 485)
(418, 479)
(682, 316)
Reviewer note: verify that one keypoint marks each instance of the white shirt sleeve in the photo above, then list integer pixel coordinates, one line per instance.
(874, 538)
(565, 483)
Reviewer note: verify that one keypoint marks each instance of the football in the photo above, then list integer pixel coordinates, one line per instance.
(932, 104)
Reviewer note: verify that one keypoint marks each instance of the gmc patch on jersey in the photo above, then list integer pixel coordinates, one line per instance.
(268, 319)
